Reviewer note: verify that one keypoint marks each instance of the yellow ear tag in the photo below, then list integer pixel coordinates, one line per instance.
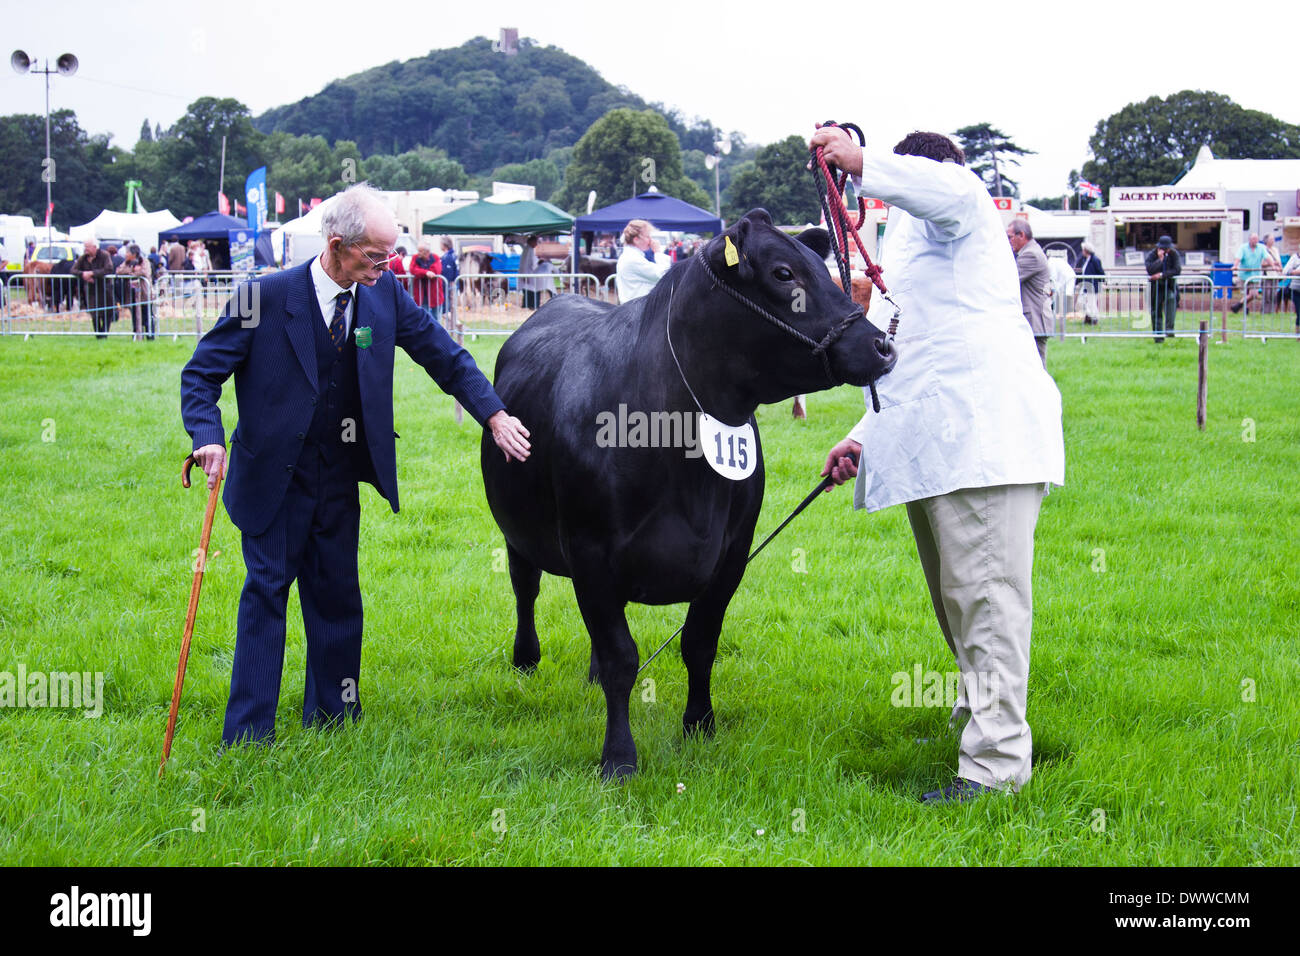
(730, 254)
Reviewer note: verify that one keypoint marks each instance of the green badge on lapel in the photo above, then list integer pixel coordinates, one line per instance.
(363, 337)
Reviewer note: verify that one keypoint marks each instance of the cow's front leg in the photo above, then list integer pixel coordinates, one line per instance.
(615, 655)
(700, 643)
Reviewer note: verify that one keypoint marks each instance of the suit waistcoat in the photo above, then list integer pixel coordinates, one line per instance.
(336, 433)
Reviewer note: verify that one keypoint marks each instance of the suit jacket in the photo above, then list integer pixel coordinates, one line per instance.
(265, 339)
(1035, 280)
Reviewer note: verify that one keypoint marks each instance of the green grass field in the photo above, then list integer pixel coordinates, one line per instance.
(1162, 697)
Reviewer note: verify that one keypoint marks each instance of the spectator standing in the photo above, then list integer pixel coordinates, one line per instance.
(1272, 266)
(92, 267)
(528, 266)
(638, 267)
(177, 260)
(426, 289)
(1035, 281)
(1089, 265)
(1164, 265)
(450, 271)
(1293, 271)
(137, 291)
(1249, 265)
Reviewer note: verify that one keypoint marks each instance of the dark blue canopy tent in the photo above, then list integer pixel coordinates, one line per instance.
(214, 229)
(211, 225)
(659, 209)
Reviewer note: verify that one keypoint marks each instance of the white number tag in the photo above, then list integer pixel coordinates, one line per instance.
(731, 452)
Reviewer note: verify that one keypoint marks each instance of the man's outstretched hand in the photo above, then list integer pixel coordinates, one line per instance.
(839, 466)
(510, 435)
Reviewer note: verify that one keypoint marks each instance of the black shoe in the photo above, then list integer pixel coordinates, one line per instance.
(960, 790)
(1159, 341)
(1236, 307)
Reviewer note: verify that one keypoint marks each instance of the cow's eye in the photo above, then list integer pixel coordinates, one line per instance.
(783, 274)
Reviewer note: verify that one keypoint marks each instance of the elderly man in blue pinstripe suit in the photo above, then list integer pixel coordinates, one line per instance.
(311, 350)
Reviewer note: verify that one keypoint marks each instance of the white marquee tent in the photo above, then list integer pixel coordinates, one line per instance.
(141, 228)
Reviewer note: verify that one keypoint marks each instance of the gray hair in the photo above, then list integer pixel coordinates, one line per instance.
(1021, 228)
(346, 216)
(1088, 247)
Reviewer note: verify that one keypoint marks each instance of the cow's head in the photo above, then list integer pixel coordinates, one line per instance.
(788, 279)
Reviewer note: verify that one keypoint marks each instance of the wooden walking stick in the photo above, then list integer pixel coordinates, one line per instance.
(199, 567)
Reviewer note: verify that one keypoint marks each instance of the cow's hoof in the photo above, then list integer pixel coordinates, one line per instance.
(703, 726)
(526, 667)
(617, 770)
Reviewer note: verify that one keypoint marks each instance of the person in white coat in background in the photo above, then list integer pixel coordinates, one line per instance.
(635, 274)
(968, 436)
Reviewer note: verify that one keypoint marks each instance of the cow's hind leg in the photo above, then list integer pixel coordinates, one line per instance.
(700, 644)
(525, 578)
(615, 656)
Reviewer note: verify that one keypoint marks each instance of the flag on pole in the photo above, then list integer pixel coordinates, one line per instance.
(279, 205)
(49, 212)
(1091, 190)
(223, 204)
(255, 193)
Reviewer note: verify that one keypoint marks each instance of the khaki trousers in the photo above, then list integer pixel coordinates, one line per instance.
(977, 550)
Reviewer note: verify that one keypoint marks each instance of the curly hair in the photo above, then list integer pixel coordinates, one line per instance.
(934, 146)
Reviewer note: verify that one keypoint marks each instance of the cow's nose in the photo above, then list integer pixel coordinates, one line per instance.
(888, 353)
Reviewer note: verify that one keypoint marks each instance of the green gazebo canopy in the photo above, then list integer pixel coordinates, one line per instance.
(525, 217)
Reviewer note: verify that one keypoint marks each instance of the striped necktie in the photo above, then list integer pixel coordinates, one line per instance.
(339, 327)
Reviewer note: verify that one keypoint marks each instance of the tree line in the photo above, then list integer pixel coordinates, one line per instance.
(624, 150)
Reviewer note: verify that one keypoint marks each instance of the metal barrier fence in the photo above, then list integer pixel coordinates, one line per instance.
(1268, 309)
(121, 306)
(496, 304)
(1121, 305)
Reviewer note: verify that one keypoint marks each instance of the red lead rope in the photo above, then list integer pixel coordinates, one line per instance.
(830, 189)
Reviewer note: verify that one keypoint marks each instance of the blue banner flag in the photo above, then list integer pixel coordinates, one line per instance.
(255, 192)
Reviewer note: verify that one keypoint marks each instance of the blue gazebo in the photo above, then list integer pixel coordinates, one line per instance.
(659, 209)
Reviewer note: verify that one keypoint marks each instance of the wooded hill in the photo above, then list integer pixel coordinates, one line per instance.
(483, 107)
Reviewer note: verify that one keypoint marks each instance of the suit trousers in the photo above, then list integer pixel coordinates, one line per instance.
(312, 539)
(1164, 306)
(976, 547)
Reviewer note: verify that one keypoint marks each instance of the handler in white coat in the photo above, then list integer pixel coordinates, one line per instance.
(968, 435)
(635, 275)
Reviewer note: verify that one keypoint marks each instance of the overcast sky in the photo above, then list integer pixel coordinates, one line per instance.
(1045, 81)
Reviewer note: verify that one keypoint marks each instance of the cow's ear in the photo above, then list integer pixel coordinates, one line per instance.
(816, 239)
(744, 268)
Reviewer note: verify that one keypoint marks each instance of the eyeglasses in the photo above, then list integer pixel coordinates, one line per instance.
(382, 263)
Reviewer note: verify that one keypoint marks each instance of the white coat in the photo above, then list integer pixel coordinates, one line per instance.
(968, 404)
(636, 275)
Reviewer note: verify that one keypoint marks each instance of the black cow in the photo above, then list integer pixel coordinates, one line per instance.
(656, 525)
